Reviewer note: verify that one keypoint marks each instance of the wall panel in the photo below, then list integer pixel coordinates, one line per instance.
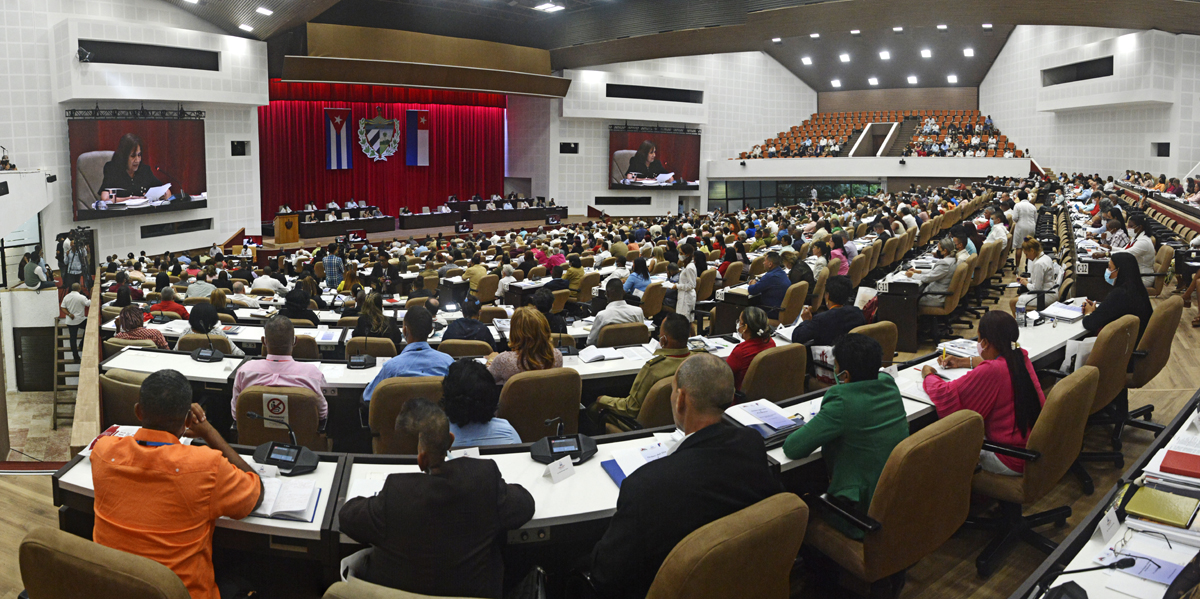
(921, 98)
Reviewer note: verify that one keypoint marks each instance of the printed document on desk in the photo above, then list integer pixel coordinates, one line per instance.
(292, 499)
(626, 461)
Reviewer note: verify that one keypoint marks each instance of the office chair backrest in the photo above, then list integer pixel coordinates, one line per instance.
(560, 300)
(818, 292)
(858, 268)
(1111, 353)
(58, 565)
(486, 292)
(387, 399)
(793, 302)
(193, 341)
(937, 461)
(379, 347)
(834, 265)
(656, 407)
(458, 348)
(627, 333)
(1156, 342)
(1058, 432)
(733, 274)
(776, 373)
(166, 315)
(652, 299)
(876, 254)
(348, 321)
(758, 266)
(706, 284)
(490, 313)
(114, 345)
(884, 332)
(528, 399)
(562, 340)
(589, 281)
(748, 553)
(537, 272)
(226, 318)
(120, 390)
(302, 412)
(888, 255)
(1162, 262)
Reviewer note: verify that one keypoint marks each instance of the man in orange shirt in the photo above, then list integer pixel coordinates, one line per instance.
(158, 498)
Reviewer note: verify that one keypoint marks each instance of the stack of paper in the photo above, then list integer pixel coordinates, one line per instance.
(292, 499)
(627, 461)
(1064, 312)
(963, 348)
(764, 417)
(595, 354)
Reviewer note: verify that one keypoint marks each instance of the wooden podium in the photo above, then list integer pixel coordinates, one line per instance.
(287, 228)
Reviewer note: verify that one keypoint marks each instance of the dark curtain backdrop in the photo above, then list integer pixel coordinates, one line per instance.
(466, 156)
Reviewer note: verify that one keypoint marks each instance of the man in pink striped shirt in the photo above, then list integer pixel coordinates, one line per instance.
(279, 369)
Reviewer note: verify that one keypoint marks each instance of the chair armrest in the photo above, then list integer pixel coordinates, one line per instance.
(1154, 274)
(851, 514)
(630, 423)
(1012, 452)
(1058, 374)
(937, 293)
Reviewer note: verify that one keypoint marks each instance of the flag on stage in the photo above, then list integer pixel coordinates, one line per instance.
(337, 138)
(417, 129)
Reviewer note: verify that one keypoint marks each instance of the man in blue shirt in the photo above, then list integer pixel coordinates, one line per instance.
(333, 267)
(771, 285)
(417, 358)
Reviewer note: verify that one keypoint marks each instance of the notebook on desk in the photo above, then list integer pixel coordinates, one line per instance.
(294, 500)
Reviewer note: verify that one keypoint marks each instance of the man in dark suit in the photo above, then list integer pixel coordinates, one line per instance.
(772, 285)
(243, 272)
(828, 326)
(440, 531)
(715, 471)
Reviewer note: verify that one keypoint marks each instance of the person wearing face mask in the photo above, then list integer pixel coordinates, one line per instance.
(861, 421)
(1128, 296)
(999, 230)
(1043, 276)
(938, 279)
(756, 337)
(672, 351)
(1001, 386)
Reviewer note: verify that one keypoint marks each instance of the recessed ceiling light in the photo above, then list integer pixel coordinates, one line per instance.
(836, 83)
(987, 25)
(885, 55)
(854, 32)
(968, 52)
(952, 78)
(912, 79)
(192, 1)
(844, 57)
(245, 27)
(264, 11)
(942, 27)
(776, 39)
(898, 29)
(814, 35)
(806, 60)
(873, 81)
(926, 53)
(549, 7)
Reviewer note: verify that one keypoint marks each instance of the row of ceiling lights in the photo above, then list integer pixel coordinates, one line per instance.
(987, 26)
(912, 80)
(266, 12)
(885, 55)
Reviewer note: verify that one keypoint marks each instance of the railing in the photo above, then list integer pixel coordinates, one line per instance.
(88, 410)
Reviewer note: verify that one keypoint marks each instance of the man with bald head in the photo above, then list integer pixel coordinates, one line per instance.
(278, 369)
(716, 470)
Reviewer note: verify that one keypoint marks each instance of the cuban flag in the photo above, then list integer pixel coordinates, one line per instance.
(337, 138)
(417, 130)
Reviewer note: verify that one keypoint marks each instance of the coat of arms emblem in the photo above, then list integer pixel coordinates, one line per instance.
(379, 137)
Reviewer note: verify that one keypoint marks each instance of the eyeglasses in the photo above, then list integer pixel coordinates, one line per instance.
(1120, 545)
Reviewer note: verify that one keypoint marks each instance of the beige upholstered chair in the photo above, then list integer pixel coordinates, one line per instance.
(733, 274)
(652, 299)
(59, 565)
(387, 399)
(1162, 263)
(902, 525)
(114, 345)
(656, 409)
(748, 553)
(120, 390)
(304, 416)
(89, 176)
(528, 399)
(793, 303)
(884, 332)
(488, 285)
(458, 348)
(378, 347)
(1054, 443)
(627, 333)
(193, 341)
(1151, 355)
(776, 373)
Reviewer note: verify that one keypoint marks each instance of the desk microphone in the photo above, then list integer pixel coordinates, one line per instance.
(561, 426)
(291, 433)
(1121, 564)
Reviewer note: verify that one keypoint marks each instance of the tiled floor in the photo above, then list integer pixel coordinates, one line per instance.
(30, 429)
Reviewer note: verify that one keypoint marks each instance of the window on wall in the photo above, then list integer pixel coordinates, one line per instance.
(735, 195)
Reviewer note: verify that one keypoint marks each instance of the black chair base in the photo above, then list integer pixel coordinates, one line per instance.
(1012, 526)
(1085, 479)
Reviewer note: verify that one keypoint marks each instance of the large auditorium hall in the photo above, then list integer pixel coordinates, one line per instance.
(599, 299)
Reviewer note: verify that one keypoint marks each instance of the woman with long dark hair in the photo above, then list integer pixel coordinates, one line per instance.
(645, 164)
(1001, 386)
(1128, 296)
(126, 174)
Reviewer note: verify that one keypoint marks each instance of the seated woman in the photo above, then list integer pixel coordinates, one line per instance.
(529, 347)
(470, 397)
(1128, 296)
(296, 305)
(638, 280)
(129, 326)
(543, 300)
(221, 303)
(938, 279)
(756, 335)
(372, 322)
(124, 298)
(1002, 387)
(349, 278)
(1042, 277)
(161, 281)
(819, 258)
(204, 320)
(839, 252)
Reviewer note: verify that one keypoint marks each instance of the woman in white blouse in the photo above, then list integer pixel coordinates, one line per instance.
(999, 230)
(686, 287)
(1042, 277)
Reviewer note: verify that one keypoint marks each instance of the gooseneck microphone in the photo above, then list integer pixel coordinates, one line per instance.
(291, 433)
(1044, 582)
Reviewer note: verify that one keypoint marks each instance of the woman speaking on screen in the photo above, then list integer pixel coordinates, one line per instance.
(645, 164)
(126, 175)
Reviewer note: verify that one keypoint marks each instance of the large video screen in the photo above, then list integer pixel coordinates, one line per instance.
(640, 160)
(131, 167)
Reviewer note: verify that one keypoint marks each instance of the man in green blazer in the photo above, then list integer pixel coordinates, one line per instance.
(862, 419)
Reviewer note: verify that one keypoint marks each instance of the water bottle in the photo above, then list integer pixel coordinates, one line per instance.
(1020, 315)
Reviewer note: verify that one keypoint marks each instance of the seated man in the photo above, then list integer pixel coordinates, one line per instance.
(556, 281)
(716, 470)
(507, 205)
(167, 303)
(417, 358)
(122, 280)
(469, 327)
(771, 285)
(672, 351)
(201, 287)
(828, 326)
(239, 295)
(160, 499)
(616, 312)
(861, 421)
(332, 206)
(310, 206)
(352, 203)
(439, 531)
(268, 281)
(278, 369)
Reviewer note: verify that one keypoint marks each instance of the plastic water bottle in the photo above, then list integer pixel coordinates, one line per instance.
(1020, 315)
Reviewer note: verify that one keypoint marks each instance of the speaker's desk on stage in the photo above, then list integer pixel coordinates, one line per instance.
(427, 221)
(514, 215)
(334, 228)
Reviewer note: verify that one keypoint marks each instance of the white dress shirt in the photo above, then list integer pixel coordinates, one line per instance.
(617, 312)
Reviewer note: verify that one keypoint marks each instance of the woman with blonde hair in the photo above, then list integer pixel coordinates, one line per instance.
(349, 278)
(529, 346)
(221, 303)
(372, 322)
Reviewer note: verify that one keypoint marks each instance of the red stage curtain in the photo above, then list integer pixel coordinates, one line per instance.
(466, 156)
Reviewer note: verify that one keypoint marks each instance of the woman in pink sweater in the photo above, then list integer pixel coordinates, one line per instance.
(1002, 387)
